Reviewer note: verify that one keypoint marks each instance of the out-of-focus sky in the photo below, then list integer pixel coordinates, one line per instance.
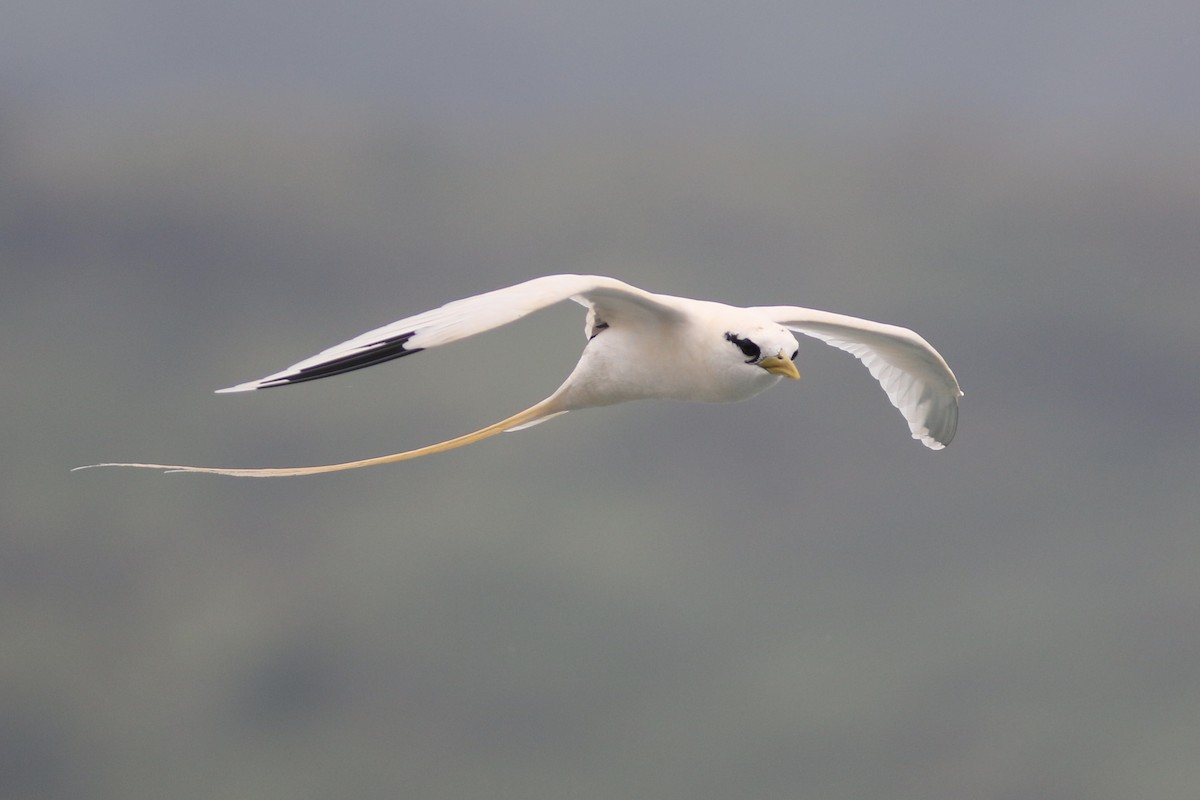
(782, 598)
(1043, 61)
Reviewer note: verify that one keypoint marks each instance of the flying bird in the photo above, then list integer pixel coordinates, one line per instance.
(641, 345)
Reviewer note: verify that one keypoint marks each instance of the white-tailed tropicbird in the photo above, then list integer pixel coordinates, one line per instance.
(642, 345)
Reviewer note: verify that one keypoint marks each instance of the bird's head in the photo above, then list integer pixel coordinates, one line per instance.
(769, 347)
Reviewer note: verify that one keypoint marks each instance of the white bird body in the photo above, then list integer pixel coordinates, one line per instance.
(642, 346)
(646, 358)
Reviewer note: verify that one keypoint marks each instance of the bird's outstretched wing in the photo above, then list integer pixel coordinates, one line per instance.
(915, 376)
(610, 300)
(462, 318)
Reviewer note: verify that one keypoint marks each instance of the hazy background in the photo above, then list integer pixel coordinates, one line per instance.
(786, 598)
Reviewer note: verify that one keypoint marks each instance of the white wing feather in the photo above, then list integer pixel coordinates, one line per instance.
(915, 376)
(462, 318)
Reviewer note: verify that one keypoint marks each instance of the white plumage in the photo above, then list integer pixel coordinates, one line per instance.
(642, 345)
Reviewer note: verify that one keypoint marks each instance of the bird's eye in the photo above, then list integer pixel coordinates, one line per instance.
(795, 354)
(748, 348)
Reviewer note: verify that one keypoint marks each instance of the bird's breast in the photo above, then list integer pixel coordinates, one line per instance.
(618, 366)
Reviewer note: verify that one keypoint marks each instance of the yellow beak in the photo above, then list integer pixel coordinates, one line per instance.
(780, 365)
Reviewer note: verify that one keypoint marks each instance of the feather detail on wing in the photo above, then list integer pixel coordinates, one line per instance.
(915, 376)
(462, 318)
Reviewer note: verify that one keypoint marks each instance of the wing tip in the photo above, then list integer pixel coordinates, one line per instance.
(278, 379)
(935, 440)
(249, 386)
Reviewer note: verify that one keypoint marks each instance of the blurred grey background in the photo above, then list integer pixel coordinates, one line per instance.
(786, 598)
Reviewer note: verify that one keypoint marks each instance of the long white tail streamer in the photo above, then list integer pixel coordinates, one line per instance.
(523, 419)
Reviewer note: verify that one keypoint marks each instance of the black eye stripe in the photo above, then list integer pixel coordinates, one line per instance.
(748, 348)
